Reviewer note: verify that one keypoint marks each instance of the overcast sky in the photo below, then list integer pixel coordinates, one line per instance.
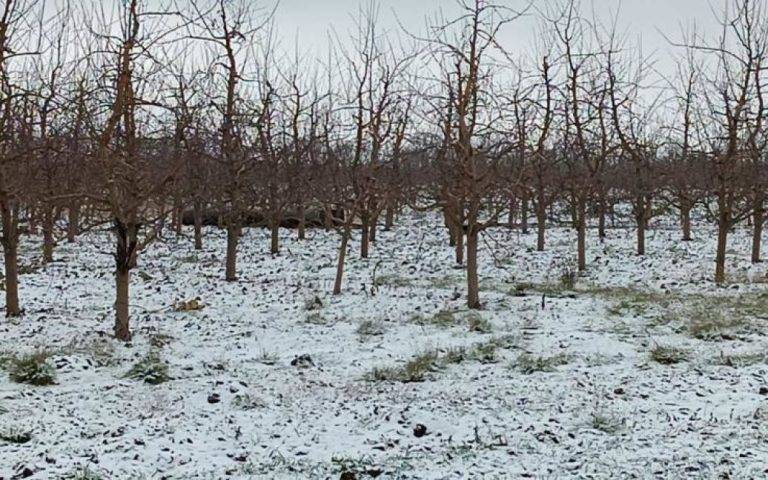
(310, 20)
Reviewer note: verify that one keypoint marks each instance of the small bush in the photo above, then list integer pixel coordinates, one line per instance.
(568, 278)
(315, 318)
(606, 423)
(267, 358)
(371, 328)
(416, 370)
(478, 324)
(455, 355)
(529, 364)
(392, 281)
(740, 360)
(443, 318)
(15, 435)
(313, 303)
(631, 306)
(246, 401)
(667, 355)
(84, 474)
(486, 353)
(32, 369)
(160, 340)
(150, 369)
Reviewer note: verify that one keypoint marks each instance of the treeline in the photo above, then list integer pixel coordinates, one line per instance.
(135, 116)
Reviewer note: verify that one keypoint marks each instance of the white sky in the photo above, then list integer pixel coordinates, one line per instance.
(309, 21)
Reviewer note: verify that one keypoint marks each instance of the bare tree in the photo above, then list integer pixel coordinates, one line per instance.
(734, 93)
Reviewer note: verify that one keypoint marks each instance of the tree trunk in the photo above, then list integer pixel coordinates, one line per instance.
(178, 212)
(640, 220)
(512, 212)
(459, 244)
(328, 218)
(32, 221)
(389, 219)
(11, 257)
(176, 218)
(48, 237)
(342, 256)
(73, 221)
(723, 225)
(10, 241)
(685, 214)
(122, 318)
(473, 284)
(449, 224)
(601, 219)
(541, 223)
(198, 220)
(274, 245)
(524, 214)
(364, 238)
(372, 227)
(233, 233)
(581, 226)
(302, 221)
(126, 242)
(757, 229)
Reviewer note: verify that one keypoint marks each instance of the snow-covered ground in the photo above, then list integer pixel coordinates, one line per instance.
(566, 385)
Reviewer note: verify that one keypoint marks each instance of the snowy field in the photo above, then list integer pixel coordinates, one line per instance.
(641, 369)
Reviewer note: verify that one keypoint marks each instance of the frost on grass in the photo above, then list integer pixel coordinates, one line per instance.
(709, 322)
(414, 370)
(422, 366)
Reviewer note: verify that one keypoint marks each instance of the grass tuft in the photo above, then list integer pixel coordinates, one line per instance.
(15, 435)
(529, 364)
(150, 369)
(668, 355)
(32, 369)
